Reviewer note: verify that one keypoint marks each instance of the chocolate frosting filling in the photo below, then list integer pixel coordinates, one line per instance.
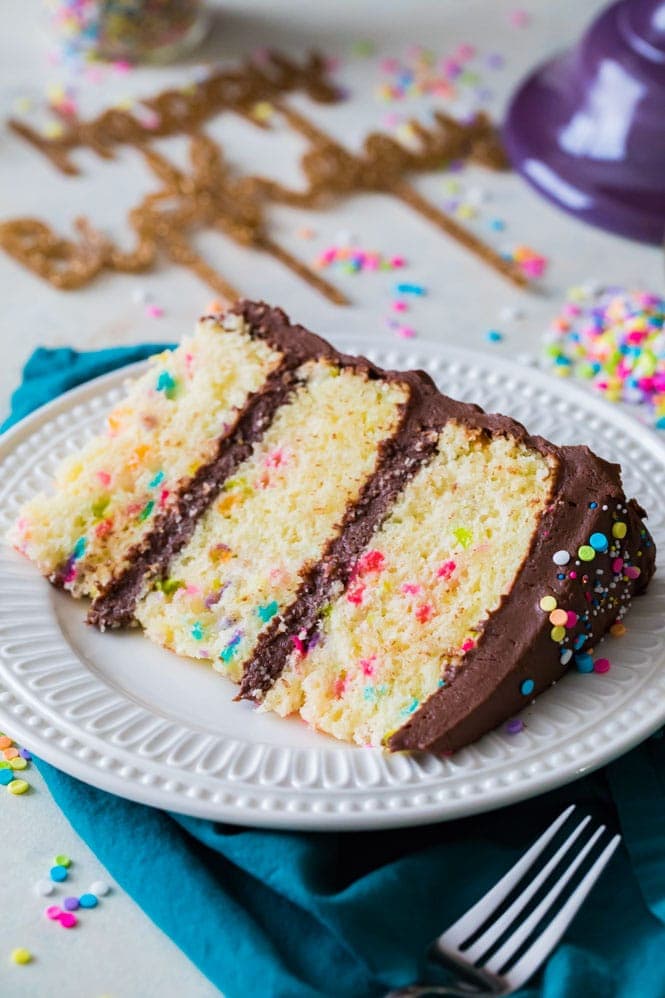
(485, 685)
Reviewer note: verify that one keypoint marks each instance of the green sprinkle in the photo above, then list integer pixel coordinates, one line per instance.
(169, 586)
(167, 384)
(267, 611)
(157, 480)
(463, 535)
(197, 631)
(62, 860)
(79, 548)
(147, 510)
(99, 506)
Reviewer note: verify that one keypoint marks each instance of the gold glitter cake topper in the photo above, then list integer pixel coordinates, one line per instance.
(209, 196)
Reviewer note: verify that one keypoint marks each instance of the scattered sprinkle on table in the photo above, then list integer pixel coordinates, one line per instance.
(493, 336)
(20, 955)
(614, 339)
(353, 260)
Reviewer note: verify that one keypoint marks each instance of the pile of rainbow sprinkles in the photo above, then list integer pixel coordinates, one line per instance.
(616, 340)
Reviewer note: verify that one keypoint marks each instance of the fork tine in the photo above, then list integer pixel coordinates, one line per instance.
(498, 927)
(524, 930)
(545, 943)
(471, 920)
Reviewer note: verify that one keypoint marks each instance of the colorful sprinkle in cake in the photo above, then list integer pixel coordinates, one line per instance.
(346, 543)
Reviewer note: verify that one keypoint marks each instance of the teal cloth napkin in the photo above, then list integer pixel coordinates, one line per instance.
(294, 915)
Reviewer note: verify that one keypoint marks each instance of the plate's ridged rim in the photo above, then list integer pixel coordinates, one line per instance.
(70, 717)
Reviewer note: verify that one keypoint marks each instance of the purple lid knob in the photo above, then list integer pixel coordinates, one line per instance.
(587, 129)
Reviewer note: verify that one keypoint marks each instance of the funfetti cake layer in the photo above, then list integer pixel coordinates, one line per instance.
(107, 496)
(395, 567)
(273, 518)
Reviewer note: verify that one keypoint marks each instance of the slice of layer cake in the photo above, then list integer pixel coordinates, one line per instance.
(346, 543)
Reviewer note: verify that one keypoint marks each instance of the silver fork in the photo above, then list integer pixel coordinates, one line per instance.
(489, 977)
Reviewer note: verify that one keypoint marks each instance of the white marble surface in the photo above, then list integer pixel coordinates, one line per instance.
(116, 951)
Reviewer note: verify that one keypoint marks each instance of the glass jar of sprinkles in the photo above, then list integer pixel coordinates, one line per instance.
(126, 30)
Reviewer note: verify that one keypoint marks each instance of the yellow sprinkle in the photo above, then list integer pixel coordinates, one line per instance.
(558, 633)
(18, 786)
(21, 955)
(18, 763)
(548, 603)
(619, 530)
(262, 111)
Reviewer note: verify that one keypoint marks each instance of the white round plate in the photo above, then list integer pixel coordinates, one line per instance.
(131, 718)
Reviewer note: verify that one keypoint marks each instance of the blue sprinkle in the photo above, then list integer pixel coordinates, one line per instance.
(58, 873)
(584, 663)
(561, 576)
(580, 640)
(410, 708)
(593, 505)
(166, 384)
(527, 687)
(157, 480)
(197, 631)
(6, 776)
(88, 901)
(497, 224)
(410, 289)
(268, 611)
(599, 542)
(369, 693)
(660, 423)
(79, 548)
(493, 335)
(227, 653)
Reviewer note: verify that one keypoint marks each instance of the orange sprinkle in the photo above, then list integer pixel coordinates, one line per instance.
(5, 742)
(11, 753)
(558, 617)
(618, 630)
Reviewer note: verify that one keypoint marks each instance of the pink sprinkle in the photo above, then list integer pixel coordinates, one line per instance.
(370, 561)
(192, 590)
(601, 665)
(405, 332)
(519, 18)
(411, 589)
(339, 688)
(367, 665)
(275, 458)
(424, 612)
(121, 66)
(633, 572)
(617, 565)
(399, 306)
(355, 595)
(573, 574)
(154, 311)
(298, 644)
(572, 619)
(390, 65)
(104, 477)
(446, 570)
(163, 496)
(68, 920)
(464, 52)
(53, 912)
(468, 645)
(397, 261)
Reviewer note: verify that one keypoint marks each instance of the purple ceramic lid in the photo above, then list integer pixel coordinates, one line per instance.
(587, 129)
